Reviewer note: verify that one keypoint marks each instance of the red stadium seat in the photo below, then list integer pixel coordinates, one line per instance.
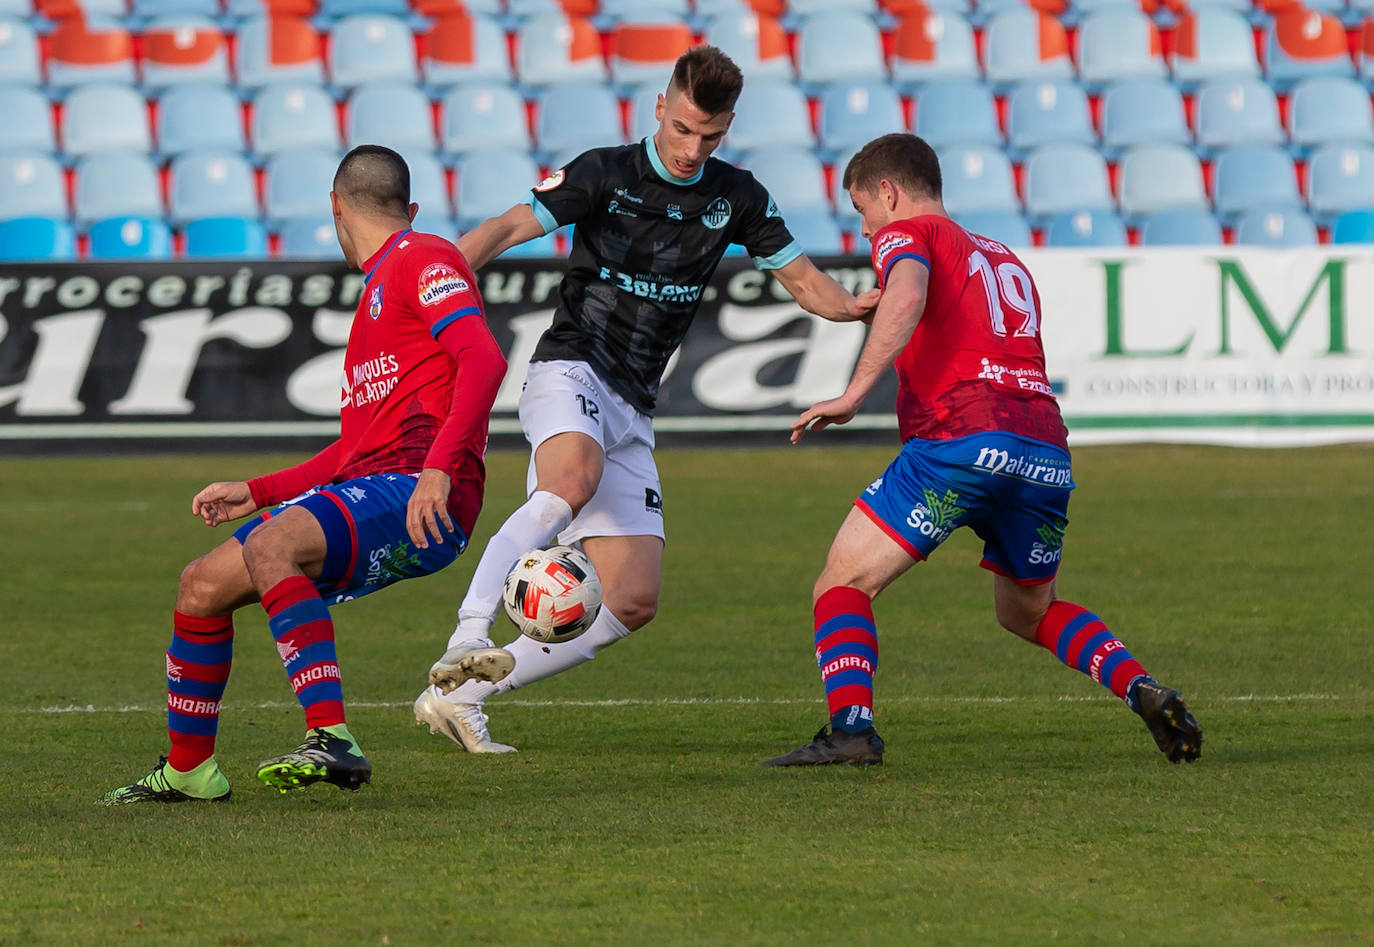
(558, 48)
(247, 8)
(1365, 56)
(278, 48)
(1303, 43)
(190, 50)
(642, 52)
(461, 47)
(84, 51)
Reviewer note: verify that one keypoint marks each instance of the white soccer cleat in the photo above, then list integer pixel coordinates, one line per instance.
(470, 660)
(464, 723)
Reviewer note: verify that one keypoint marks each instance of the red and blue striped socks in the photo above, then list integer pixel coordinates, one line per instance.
(1081, 640)
(847, 653)
(198, 661)
(304, 632)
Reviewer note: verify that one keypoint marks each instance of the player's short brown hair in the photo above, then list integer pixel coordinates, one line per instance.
(374, 180)
(709, 77)
(903, 159)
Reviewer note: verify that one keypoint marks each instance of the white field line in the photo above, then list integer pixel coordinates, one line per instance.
(689, 702)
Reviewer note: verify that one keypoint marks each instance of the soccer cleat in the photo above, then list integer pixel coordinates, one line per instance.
(839, 746)
(1171, 723)
(463, 723)
(205, 783)
(474, 659)
(326, 755)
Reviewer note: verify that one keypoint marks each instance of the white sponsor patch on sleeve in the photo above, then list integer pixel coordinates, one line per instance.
(550, 182)
(438, 282)
(889, 245)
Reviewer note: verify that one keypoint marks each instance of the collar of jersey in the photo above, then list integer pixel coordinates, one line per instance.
(662, 169)
(384, 251)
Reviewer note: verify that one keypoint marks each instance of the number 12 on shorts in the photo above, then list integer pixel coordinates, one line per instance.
(587, 406)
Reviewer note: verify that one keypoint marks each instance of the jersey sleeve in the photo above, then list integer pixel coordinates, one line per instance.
(569, 194)
(439, 287)
(762, 231)
(899, 241)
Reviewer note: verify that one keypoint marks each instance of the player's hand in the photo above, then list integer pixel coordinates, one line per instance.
(822, 414)
(223, 501)
(864, 304)
(427, 513)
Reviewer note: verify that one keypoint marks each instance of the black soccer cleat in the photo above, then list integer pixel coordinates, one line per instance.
(323, 757)
(864, 748)
(1172, 725)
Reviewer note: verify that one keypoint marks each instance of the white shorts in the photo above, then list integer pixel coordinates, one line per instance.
(568, 396)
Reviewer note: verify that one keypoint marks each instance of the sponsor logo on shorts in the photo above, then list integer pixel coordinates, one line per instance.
(653, 501)
(1027, 379)
(192, 705)
(314, 675)
(936, 517)
(288, 651)
(874, 487)
(1051, 544)
(1053, 472)
(173, 670)
(717, 214)
(550, 182)
(386, 565)
(438, 281)
(354, 494)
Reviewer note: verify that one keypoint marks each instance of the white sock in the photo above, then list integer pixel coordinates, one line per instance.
(535, 660)
(534, 525)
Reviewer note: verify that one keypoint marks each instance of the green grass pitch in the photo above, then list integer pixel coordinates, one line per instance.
(1019, 803)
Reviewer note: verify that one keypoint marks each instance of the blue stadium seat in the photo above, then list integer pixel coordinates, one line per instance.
(390, 113)
(1339, 178)
(105, 117)
(1061, 178)
(35, 238)
(227, 238)
(1212, 43)
(299, 182)
(1024, 45)
(1142, 111)
(1289, 227)
(184, 48)
(1180, 227)
(956, 112)
(211, 184)
(853, 114)
(1353, 226)
(31, 185)
(1005, 226)
(19, 60)
(577, 116)
(977, 178)
(805, 8)
(793, 176)
(293, 115)
(1160, 177)
(338, 9)
(131, 238)
(643, 105)
(490, 181)
(1252, 177)
(270, 50)
(839, 46)
(554, 49)
(462, 49)
(933, 44)
(756, 43)
(429, 189)
(482, 115)
(28, 119)
(816, 231)
(196, 116)
(1043, 113)
(1237, 112)
(96, 48)
(1329, 111)
(769, 112)
(146, 10)
(371, 47)
(1085, 228)
(1118, 44)
(310, 238)
(613, 12)
(116, 184)
(845, 214)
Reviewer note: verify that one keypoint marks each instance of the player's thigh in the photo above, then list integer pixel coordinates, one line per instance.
(863, 556)
(216, 583)
(292, 540)
(631, 571)
(569, 465)
(628, 501)
(1020, 606)
(564, 414)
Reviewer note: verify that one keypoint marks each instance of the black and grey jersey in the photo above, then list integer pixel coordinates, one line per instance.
(644, 247)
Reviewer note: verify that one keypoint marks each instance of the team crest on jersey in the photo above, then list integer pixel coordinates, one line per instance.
(438, 282)
(888, 244)
(374, 306)
(550, 182)
(717, 215)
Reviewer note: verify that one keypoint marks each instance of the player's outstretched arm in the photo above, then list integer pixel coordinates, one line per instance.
(223, 501)
(817, 292)
(496, 235)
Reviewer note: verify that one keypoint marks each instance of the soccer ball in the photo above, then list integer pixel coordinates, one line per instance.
(552, 594)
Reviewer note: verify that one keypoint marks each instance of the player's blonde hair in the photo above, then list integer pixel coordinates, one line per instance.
(905, 160)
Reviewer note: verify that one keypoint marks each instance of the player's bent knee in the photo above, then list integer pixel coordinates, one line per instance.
(634, 613)
(576, 490)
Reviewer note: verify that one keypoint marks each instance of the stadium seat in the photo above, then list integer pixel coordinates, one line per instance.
(429, 189)
(1160, 177)
(464, 48)
(1364, 56)
(1118, 44)
(839, 46)
(248, 9)
(370, 47)
(1043, 113)
(1329, 111)
(1065, 177)
(816, 232)
(31, 185)
(390, 113)
(310, 238)
(230, 238)
(845, 214)
(19, 59)
(116, 184)
(1339, 178)
(299, 182)
(293, 115)
(644, 121)
(930, 45)
(769, 112)
(97, 49)
(1085, 228)
(1180, 227)
(211, 184)
(852, 114)
(1353, 226)
(491, 180)
(956, 112)
(557, 49)
(184, 49)
(339, 9)
(28, 119)
(35, 238)
(1251, 177)
(277, 49)
(1142, 111)
(576, 116)
(977, 178)
(1290, 227)
(197, 116)
(1023, 45)
(1237, 112)
(803, 8)
(1005, 226)
(793, 176)
(645, 52)
(482, 115)
(130, 238)
(1304, 43)
(614, 12)
(1212, 43)
(144, 11)
(755, 42)
(104, 117)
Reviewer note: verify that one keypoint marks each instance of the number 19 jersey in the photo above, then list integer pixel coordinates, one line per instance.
(975, 361)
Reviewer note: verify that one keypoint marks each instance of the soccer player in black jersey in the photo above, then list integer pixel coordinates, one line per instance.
(653, 220)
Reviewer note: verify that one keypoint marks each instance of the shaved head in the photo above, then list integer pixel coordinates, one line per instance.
(374, 181)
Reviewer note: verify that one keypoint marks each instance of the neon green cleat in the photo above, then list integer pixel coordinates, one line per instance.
(329, 754)
(205, 783)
